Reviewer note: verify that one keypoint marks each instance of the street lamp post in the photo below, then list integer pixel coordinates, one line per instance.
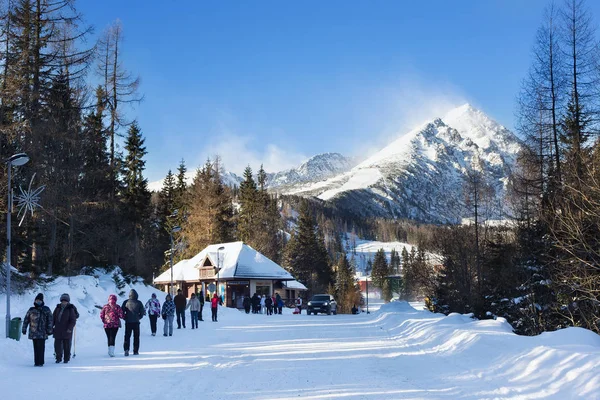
(367, 282)
(219, 268)
(17, 160)
(171, 232)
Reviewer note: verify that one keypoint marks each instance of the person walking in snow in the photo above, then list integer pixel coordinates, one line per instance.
(279, 303)
(274, 300)
(263, 307)
(200, 298)
(168, 314)
(269, 305)
(39, 320)
(299, 304)
(247, 303)
(111, 316)
(180, 305)
(194, 306)
(153, 308)
(133, 311)
(255, 303)
(64, 320)
(214, 304)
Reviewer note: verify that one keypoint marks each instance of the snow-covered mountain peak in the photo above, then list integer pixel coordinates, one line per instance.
(482, 130)
(316, 168)
(421, 174)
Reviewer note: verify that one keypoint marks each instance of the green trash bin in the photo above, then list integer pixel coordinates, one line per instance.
(15, 329)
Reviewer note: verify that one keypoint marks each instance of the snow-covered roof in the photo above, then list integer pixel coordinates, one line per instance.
(181, 272)
(236, 259)
(294, 285)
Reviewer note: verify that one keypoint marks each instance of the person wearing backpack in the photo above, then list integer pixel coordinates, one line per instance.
(111, 316)
(39, 321)
(153, 308)
(133, 311)
(64, 320)
(269, 305)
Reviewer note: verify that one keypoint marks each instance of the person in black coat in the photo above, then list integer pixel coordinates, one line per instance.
(255, 303)
(39, 320)
(247, 303)
(64, 319)
(200, 297)
(133, 310)
(269, 305)
(180, 305)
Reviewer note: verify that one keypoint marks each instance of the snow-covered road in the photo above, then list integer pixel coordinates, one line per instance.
(397, 353)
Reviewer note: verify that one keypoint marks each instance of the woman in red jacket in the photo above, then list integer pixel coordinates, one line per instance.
(214, 303)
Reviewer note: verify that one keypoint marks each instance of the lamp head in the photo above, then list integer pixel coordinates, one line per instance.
(18, 159)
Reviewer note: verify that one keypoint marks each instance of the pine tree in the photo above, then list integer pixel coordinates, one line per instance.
(380, 274)
(210, 212)
(305, 254)
(136, 198)
(346, 289)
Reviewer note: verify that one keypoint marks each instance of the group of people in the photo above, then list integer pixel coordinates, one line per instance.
(132, 311)
(263, 304)
(42, 323)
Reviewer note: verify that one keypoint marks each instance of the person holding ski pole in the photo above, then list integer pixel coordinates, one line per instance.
(64, 319)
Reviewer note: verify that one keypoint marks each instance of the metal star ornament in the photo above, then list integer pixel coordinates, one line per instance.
(28, 200)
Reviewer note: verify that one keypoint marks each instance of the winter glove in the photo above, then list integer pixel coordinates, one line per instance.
(164, 316)
(24, 331)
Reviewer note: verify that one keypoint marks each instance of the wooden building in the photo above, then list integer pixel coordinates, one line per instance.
(233, 270)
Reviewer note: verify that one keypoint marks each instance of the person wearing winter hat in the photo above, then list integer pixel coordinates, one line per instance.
(64, 319)
(168, 314)
(39, 321)
(153, 308)
(134, 311)
(111, 315)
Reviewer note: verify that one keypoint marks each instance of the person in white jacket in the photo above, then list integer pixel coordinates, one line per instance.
(263, 306)
(194, 306)
(299, 304)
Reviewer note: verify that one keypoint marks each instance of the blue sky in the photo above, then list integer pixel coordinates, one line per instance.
(279, 81)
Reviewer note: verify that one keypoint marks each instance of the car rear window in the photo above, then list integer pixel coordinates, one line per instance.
(321, 298)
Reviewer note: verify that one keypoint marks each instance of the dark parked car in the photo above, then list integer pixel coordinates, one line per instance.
(322, 303)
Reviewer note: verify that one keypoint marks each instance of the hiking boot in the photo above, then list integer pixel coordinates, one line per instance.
(126, 353)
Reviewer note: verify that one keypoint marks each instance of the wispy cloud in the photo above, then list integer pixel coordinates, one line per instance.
(405, 104)
(239, 151)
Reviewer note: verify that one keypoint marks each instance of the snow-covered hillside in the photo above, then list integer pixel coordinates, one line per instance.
(362, 251)
(396, 352)
(421, 175)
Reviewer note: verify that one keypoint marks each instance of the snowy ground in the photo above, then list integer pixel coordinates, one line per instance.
(396, 352)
